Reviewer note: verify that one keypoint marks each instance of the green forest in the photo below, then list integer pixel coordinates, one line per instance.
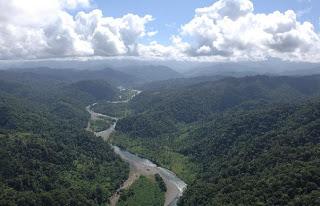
(46, 156)
(159, 102)
(146, 191)
(114, 110)
(236, 141)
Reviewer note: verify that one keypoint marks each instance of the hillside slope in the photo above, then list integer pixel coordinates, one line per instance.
(46, 157)
(237, 141)
(98, 89)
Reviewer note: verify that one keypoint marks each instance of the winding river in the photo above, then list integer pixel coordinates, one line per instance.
(140, 166)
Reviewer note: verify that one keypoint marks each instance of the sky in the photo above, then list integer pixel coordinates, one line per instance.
(196, 30)
(170, 14)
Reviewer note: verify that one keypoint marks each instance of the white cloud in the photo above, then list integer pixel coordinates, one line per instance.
(232, 9)
(176, 50)
(226, 30)
(42, 29)
(72, 4)
(230, 29)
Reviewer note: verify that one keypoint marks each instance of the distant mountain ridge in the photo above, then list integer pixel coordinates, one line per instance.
(71, 75)
(247, 68)
(150, 73)
(122, 76)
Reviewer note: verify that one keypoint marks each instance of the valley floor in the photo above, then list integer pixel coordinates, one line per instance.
(139, 168)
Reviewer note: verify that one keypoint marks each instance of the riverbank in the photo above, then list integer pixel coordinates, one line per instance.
(140, 166)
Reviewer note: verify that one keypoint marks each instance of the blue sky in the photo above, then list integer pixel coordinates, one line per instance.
(170, 14)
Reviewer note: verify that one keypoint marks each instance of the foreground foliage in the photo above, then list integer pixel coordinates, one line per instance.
(46, 157)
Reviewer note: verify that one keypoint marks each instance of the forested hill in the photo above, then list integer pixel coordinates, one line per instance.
(98, 89)
(197, 102)
(263, 157)
(116, 78)
(254, 140)
(177, 83)
(46, 156)
(128, 76)
(150, 73)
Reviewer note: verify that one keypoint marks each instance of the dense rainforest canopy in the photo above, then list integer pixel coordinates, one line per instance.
(46, 156)
(237, 141)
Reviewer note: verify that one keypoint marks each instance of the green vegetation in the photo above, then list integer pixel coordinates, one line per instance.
(161, 183)
(126, 94)
(98, 89)
(46, 156)
(101, 124)
(146, 191)
(66, 76)
(149, 73)
(235, 141)
(158, 151)
(261, 157)
(252, 140)
(118, 110)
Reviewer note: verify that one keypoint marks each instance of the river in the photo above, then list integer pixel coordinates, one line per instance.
(140, 166)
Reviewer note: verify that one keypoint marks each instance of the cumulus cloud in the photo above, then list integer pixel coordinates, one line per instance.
(41, 29)
(225, 30)
(176, 50)
(111, 36)
(232, 9)
(230, 29)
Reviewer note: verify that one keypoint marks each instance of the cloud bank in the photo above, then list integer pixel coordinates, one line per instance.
(226, 30)
(43, 29)
(230, 29)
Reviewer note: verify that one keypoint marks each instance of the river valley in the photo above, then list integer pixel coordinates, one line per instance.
(139, 166)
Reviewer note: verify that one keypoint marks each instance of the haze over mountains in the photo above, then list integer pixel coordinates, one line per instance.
(141, 71)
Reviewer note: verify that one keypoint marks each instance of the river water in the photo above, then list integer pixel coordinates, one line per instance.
(140, 166)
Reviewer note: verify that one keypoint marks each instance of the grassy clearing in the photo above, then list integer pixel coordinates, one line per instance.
(100, 124)
(144, 192)
(126, 94)
(118, 110)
